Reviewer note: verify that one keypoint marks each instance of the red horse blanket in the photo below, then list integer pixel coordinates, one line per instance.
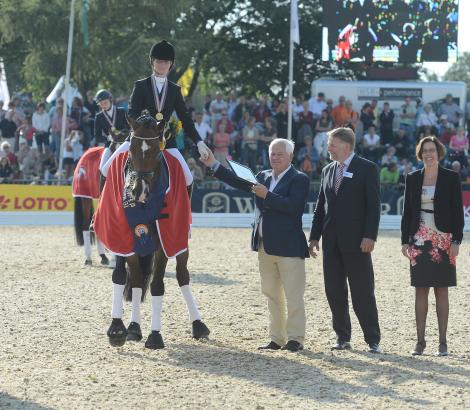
(86, 178)
(111, 225)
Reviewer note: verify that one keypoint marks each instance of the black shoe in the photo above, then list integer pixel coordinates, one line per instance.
(88, 262)
(270, 346)
(154, 341)
(292, 346)
(442, 351)
(341, 345)
(117, 333)
(200, 330)
(374, 348)
(104, 259)
(134, 333)
(419, 348)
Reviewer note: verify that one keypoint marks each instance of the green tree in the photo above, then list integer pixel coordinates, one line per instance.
(460, 71)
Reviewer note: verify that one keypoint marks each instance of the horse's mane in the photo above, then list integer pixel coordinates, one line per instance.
(147, 121)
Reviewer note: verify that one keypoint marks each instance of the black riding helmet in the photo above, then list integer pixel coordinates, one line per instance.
(162, 51)
(102, 95)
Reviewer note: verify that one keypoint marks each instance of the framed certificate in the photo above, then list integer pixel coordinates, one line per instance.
(242, 172)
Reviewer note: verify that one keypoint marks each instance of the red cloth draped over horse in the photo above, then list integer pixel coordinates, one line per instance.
(86, 178)
(111, 225)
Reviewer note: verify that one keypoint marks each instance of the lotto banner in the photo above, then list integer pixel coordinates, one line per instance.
(46, 198)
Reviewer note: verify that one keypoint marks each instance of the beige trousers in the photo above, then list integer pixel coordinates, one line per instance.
(283, 283)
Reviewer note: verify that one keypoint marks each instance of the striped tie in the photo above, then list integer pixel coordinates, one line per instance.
(338, 176)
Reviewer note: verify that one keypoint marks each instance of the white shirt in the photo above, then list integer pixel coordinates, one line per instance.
(346, 162)
(160, 81)
(272, 185)
(203, 130)
(41, 122)
(371, 139)
(316, 107)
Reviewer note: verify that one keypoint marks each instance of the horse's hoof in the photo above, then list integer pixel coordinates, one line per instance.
(88, 262)
(200, 330)
(134, 333)
(154, 341)
(117, 333)
(104, 260)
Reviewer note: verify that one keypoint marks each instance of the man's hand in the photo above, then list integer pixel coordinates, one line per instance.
(209, 161)
(259, 190)
(454, 250)
(203, 150)
(312, 246)
(405, 250)
(367, 245)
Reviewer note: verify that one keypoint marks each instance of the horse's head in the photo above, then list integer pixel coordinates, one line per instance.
(144, 152)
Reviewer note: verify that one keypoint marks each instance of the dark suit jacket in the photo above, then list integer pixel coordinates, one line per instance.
(102, 126)
(448, 207)
(142, 98)
(352, 214)
(281, 211)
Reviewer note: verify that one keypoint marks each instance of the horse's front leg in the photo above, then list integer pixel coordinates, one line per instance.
(157, 289)
(136, 285)
(200, 330)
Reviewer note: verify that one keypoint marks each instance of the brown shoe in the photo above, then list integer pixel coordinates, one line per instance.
(419, 348)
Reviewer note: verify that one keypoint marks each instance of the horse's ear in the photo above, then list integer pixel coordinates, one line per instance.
(132, 123)
(161, 125)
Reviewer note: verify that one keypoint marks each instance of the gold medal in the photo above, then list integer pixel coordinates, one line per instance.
(159, 116)
(113, 129)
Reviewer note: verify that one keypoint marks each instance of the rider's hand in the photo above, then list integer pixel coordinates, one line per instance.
(210, 160)
(203, 150)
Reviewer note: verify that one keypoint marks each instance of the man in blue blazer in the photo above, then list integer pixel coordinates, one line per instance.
(281, 195)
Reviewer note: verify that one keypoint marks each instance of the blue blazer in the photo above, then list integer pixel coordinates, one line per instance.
(281, 211)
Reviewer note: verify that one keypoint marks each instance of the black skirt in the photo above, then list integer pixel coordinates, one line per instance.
(431, 265)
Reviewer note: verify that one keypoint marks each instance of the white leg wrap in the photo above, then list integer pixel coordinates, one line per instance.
(87, 244)
(157, 302)
(193, 311)
(100, 247)
(135, 312)
(118, 298)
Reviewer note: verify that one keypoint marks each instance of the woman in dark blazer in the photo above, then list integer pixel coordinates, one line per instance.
(431, 233)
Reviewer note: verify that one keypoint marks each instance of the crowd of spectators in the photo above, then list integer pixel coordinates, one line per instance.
(241, 128)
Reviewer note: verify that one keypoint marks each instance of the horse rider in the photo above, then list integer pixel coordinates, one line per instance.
(161, 97)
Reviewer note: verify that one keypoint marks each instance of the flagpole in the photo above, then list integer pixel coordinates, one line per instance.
(293, 37)
(291, 79)
(66, 89)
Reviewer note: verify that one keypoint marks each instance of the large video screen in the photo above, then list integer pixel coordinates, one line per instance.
(404, 31)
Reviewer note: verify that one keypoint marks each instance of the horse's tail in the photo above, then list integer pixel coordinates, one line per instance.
(82, 222)
(146, 266)
(78, 220)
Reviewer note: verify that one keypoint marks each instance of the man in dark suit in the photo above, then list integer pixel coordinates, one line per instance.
(281, 195)
(160, 97)
(347, 217)
(110, 119)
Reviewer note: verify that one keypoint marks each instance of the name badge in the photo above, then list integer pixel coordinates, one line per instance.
(347, 174)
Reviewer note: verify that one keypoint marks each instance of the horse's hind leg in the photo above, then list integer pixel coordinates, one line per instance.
(157, 289)
(136, 284)
(200, 330)
(85, 207)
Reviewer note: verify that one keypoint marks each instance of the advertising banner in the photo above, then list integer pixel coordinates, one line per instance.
(29, 198)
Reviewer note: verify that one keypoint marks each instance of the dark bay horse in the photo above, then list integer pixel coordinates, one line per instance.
(88, 184)
(147, 180)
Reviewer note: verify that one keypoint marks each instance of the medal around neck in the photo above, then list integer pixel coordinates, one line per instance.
(159, 102)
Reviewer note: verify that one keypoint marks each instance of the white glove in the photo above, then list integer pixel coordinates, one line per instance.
(203, 150)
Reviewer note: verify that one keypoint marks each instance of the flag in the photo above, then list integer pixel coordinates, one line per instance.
(294, 22)
(84, 21)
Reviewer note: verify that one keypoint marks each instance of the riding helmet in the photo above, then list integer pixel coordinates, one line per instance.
(162, 51)
(102, 95)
